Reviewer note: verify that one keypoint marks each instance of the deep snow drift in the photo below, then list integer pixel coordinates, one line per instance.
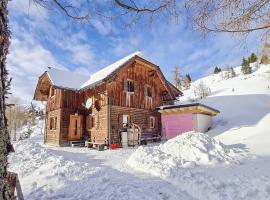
(186, 150)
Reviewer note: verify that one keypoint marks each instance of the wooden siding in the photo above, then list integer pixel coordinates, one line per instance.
(140, 75)
(100, 131)
(53, 136)
(140, 117)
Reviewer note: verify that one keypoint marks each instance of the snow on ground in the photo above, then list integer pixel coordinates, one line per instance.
(189, 149)
(191, 167)
(79, 173)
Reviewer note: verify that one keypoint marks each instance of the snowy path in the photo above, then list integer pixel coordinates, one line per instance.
(80, 173)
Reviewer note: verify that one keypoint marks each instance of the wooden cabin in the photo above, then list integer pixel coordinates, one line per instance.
(96, 107)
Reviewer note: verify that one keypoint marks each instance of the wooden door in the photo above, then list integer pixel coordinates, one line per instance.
(75, 127)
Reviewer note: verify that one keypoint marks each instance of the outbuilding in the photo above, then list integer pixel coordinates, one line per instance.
(177, 119)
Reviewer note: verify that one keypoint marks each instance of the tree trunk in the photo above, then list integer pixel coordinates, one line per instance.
(5, 145)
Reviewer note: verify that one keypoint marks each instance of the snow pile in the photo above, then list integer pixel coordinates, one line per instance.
(186, 150)
(32, 161)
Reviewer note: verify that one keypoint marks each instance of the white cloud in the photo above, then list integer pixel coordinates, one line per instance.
(27, 60)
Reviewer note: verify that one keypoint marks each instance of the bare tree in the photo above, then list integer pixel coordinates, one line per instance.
(176, 77)
(201, 90)
(234, 16)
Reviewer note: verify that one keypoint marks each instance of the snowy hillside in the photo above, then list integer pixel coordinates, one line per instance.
(231, 161)
(244, 103)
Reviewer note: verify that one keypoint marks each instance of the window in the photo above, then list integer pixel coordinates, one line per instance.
(91, 122)
(53, 123)
(76, 127)
(125, 120)
(149, 91)
(130, 86)
(152, 122)
(52, 92)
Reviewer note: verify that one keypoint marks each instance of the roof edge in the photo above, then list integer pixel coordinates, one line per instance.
(187, 105)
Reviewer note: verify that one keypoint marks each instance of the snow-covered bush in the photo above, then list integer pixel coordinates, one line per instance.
(201, 90)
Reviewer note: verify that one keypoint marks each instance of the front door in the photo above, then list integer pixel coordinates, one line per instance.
(75, 127)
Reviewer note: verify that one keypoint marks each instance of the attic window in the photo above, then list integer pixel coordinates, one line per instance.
(130, 86)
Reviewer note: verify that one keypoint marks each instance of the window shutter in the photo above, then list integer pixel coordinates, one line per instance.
(136, 86)
(131, 118)
(55, 122)
(145, 90)
(148, 122)
(120, 121)
(153, 92)
(125, 83)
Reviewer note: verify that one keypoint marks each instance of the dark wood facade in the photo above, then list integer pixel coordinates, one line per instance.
(129, 94)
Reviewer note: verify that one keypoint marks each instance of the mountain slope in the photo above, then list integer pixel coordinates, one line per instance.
(244, 104)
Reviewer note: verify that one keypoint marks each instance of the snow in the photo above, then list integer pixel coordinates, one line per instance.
(100, 75)
(231, 161)
(188, 149)
(80, 173)
(75, 81)
(66, 79)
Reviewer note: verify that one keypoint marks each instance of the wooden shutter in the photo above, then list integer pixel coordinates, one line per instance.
(153, 92)
(136, 86)
(125, 85)
(120, 121)
(131, 118)
(145, 90)
(55, 123)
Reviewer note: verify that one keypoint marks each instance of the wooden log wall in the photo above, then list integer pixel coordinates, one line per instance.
(99, 132)
(53, 136)
(142, 75)
(138, 116)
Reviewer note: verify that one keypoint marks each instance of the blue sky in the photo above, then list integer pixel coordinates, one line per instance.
(42, 38)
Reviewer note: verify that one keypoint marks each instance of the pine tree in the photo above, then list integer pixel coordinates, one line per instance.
(217, 70)
(189, 78)
(253, 58)
(246, 69)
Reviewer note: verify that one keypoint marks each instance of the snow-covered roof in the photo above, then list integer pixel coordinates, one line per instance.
(103, 73)
(71, 80)
(66, 79)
